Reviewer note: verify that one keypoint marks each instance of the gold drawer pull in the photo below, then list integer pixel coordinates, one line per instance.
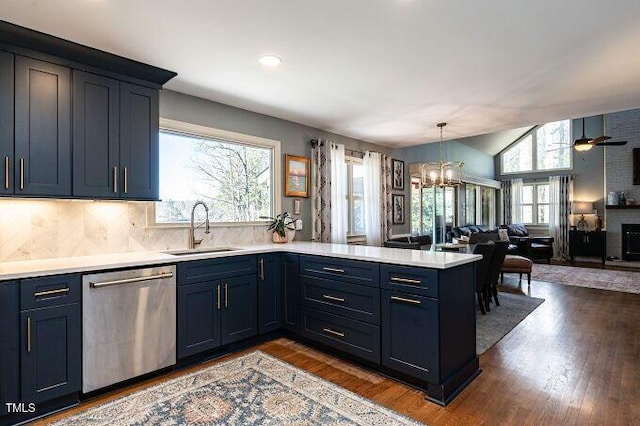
(340, 271)
(402, 299)
(335, 333)
(337, 299)
(22, 173)
(50, 292)
(406, 280)
(28, 334)
(6, 172)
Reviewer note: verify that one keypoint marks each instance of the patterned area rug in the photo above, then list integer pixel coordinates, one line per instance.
(626, 281)
(493, 326)
(255, 389)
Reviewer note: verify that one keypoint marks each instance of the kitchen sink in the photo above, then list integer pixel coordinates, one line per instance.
(186, 252)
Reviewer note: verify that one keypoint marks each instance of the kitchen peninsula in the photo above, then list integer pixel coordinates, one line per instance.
(406, 313)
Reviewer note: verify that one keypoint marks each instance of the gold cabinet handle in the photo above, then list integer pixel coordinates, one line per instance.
(51, 292)
(335, 333)
(337, 299)
(402, 299)
(6, 172)
(406, 280)
(226, 295)
(22, 173)
(340, 271)
(262, 268)
(115, 179)
(28, 334)
(218, 294)
(126, 180)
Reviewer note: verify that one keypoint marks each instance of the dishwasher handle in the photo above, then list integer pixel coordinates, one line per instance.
(160, 276)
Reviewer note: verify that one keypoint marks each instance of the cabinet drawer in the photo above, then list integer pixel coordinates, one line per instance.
(353, 271)
(351, 336)
(49, 291)
(350, 300)
(212, 269)
(420, 281)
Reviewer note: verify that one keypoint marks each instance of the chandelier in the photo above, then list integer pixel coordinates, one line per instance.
(442, 173)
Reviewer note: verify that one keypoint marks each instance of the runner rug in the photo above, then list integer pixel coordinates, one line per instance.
(253, 389)
(626, 281)
(493, 326)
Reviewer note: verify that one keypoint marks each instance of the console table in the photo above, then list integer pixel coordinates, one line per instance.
(588, 243)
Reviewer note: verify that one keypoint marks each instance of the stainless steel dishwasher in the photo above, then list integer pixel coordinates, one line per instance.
(128, 324)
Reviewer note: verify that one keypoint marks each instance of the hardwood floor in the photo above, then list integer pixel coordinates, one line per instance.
(575, 360)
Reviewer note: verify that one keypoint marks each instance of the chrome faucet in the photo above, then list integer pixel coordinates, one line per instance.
(192, 229)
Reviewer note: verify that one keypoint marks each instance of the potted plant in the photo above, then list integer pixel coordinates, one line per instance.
(279, 225)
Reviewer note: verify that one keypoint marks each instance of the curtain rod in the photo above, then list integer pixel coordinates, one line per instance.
(316, 142)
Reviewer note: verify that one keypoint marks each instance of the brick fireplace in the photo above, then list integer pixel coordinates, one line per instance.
(623, 125)
(631, 242)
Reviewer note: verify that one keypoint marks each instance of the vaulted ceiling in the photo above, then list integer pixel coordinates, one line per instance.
(385, 71)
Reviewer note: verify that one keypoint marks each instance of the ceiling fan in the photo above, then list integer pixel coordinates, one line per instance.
(585, 143)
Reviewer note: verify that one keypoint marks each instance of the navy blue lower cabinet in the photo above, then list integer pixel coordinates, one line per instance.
(199, 317)
(239, 308)
(9, 345)
(50, 352)
(291, 291)
(354, 337)
(410, 334)
(269, 292)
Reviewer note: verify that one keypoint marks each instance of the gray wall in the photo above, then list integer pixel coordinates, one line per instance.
(588, 167)
(294, 137)
(476, 163)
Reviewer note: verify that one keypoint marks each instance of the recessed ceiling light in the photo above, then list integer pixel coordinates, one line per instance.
(270, 60)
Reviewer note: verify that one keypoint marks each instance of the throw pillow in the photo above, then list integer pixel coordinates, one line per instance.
(503, 235)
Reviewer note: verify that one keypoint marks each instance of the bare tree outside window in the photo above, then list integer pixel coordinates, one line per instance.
(233, 179)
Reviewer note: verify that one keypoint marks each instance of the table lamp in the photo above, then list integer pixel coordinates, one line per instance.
(582, 208)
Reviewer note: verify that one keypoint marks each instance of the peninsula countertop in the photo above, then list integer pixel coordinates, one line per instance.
(422, 258)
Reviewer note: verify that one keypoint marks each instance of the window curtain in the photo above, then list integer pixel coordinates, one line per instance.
(516, 200)
(339, 206)
(560, 199)
(321, 191)
(506, 202)
(373, 196)
(386, 210)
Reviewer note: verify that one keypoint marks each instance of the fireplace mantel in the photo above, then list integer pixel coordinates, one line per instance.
(628, 207)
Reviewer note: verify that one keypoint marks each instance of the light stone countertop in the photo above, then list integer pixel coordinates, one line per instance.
(422, 258)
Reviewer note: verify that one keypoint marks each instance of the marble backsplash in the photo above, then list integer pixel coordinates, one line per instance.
(42, 229)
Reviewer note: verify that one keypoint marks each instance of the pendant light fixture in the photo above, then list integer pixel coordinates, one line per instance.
(442, 173)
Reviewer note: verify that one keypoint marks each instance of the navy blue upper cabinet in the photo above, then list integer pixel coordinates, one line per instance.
(96, 135)
(139, 150)
(55, 93)
(42, 128)
(6, 121)
(269, 293)
(115, 131)
(9, 341)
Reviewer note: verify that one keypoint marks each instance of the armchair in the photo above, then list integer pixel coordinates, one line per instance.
(528, 246)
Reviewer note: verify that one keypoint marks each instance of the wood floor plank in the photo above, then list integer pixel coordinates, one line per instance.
(575, 360)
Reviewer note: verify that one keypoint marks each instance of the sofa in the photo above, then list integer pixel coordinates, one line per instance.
(466, 230)
(528, 246)
(415, 242)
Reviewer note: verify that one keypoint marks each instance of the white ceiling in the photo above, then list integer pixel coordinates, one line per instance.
(385, 71)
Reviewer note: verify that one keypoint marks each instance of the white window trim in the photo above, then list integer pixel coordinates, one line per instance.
(534, 205)
(534, 153)
(352, 238)
(185, 128)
